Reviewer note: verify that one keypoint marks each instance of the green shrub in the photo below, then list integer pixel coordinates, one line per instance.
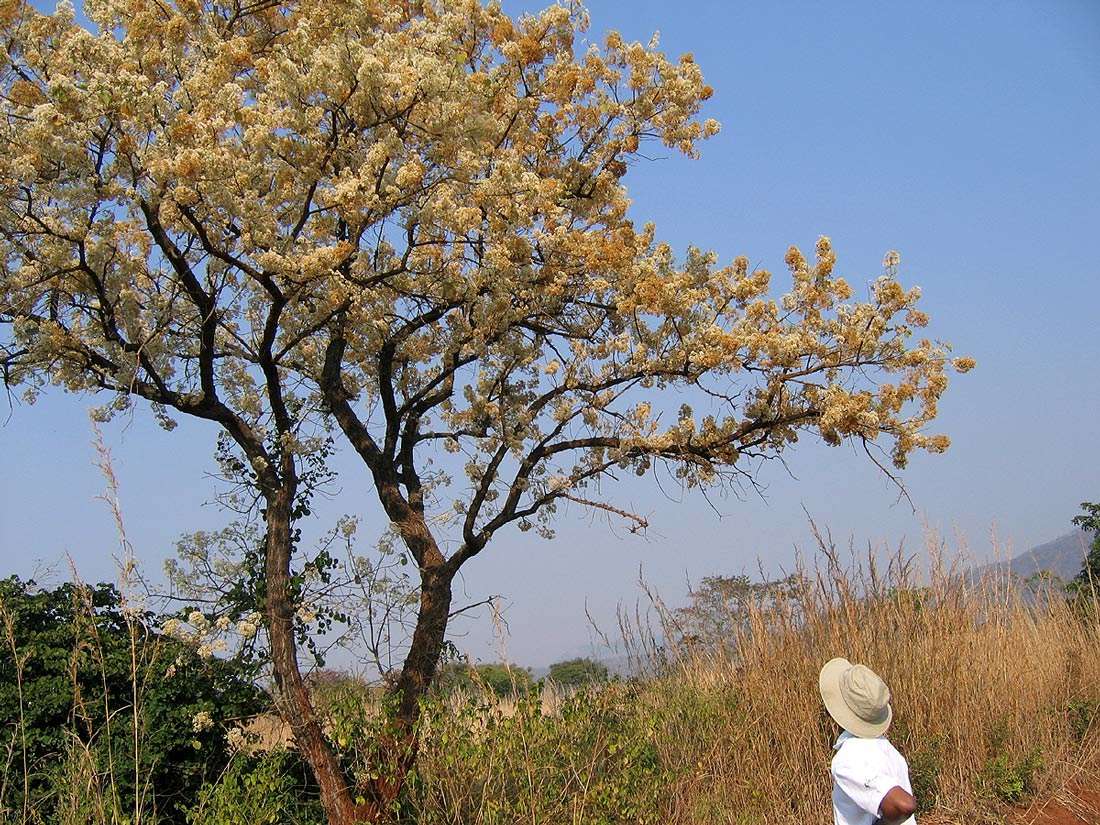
(577, 672)
(1084, 716)
(71, 664)
(266, 790)
(500, 679)
(925, 758)
(1010, 778)
(596, 761)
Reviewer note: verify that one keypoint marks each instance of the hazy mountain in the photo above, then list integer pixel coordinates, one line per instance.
(1064, 557)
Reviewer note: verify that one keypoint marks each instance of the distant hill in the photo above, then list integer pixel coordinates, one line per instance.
(1064, 557)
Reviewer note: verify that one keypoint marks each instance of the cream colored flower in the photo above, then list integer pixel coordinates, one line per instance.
(236, 739)
(305, 614)
(201, 721)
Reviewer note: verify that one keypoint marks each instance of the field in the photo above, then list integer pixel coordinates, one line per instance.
(421, 286)
(996, 691)
(996, 695)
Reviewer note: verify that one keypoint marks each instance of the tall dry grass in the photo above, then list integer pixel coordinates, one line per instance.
(992, 686)
(996, 692)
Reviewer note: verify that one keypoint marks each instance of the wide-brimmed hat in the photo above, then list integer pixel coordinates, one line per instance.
(856, 698)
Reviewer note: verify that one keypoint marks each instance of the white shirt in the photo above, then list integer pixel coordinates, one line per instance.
(864, 770)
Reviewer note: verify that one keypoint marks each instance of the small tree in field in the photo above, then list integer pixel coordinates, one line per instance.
(404, 225)
(500, 678)
(721, 605)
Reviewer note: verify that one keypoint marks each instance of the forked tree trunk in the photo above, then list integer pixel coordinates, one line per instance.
(397, 751)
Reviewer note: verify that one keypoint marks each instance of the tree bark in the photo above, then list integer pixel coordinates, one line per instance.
(294, 702)
(398, 750)
(427, 644)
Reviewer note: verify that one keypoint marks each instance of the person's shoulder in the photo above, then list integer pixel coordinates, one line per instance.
(889, 748)
(849, 749)
(853, 744)
(855, 750)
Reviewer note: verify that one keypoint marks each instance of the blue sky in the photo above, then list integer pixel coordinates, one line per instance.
(964, 135)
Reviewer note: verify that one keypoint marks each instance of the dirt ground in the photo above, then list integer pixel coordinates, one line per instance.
(1077, 805)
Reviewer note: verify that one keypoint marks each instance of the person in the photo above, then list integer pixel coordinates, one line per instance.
(870, 778)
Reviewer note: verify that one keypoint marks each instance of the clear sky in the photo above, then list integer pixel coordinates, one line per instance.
(964, 135)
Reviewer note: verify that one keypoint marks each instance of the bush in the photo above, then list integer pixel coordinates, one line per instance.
(925, 758)
(1011, 780)
(268, 790)
(1084, 715)
(499, 679)
(595, 760)
(72, 670)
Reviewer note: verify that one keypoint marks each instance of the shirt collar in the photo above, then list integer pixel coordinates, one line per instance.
(844, 737)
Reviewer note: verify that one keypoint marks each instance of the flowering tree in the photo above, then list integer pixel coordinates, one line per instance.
(405, 224)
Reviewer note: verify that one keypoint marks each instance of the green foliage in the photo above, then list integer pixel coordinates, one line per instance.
(504, 680)
(596, 761)
(73, 666)
(348, 706)
(1006, 776)
(925, 757)
(1089, 577)
(359, 722)
(924, 774)
(1011, 780)
(267, 790)
(578, 672)
(720, 605)
(1083, 716)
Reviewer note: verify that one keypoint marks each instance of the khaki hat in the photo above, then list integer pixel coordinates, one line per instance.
(856, 698)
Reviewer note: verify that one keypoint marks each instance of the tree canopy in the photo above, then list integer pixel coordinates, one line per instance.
(405, 226)
(720, 606)
(499, 677)
(578, 672)
(1089, 521)
(307, 209)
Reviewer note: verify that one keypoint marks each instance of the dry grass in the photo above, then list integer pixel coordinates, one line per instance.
(979, 673)
(996, 696)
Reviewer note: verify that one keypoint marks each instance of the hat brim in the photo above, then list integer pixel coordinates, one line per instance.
(828, 682)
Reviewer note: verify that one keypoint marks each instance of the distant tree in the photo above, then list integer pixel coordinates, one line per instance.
(578, 672)
(504, 680)
(404, 226)
(501, 679)
(72, 665)
(1044, 582)
(720, 605)
(1089, 577)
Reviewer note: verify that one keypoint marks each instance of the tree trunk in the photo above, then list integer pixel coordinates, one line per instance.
(294, 702)
(398, 751)
(427, 644)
